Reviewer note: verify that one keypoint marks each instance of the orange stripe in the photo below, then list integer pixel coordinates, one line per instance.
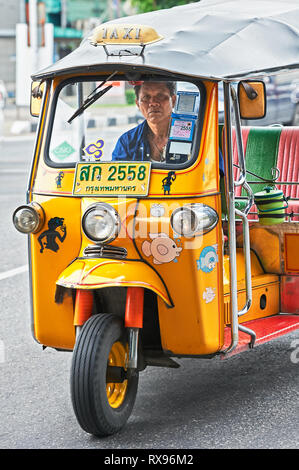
(114, 284)
(95, 267)
(185, 194)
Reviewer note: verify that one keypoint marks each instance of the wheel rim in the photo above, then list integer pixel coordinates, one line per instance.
(116, 392)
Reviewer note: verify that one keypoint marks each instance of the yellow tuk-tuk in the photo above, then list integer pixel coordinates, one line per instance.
(155, 232)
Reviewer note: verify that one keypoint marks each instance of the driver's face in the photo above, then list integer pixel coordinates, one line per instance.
(155, 102)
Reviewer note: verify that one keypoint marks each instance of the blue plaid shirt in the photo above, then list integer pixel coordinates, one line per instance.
(133, 145)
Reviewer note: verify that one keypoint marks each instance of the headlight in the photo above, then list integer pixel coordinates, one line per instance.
(193, 219)
(101, 223)
(28, 218)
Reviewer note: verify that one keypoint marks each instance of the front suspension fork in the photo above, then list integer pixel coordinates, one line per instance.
(83, 308)
(134, 321)
(133, 317)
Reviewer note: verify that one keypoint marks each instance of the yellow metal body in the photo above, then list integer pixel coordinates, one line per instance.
(264, 285)
(191, 301)
(97, 274)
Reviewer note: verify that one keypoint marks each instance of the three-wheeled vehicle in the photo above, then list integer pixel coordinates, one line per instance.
(139, 254)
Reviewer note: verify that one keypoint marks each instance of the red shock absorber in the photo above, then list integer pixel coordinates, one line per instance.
(134, 307)
(83, 306)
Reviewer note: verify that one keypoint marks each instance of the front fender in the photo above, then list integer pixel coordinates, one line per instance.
(95, 274)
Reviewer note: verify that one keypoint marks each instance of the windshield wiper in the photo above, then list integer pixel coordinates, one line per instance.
(92, 97)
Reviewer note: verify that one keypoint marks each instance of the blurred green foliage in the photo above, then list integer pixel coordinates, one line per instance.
(151, 5)
(130, 97)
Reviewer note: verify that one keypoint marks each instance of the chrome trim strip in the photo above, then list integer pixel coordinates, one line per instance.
(103, 251)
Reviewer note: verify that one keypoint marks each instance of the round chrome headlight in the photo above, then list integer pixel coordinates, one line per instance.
(101, 223)
(28, 218)
(193, 219)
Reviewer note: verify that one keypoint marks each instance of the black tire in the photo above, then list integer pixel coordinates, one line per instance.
(101, 336)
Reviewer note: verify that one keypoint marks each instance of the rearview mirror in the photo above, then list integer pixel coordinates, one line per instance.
(37, 89)
(252, 99)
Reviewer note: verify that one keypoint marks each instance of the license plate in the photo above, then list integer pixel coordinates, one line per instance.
(112, 179)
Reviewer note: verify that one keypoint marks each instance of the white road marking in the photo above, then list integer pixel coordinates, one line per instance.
(13, 272)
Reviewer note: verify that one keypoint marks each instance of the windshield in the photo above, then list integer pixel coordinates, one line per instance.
(99, 120)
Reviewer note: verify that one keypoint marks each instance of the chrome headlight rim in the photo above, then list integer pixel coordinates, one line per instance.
(181, 211)
(38, 213)
(196, 209)
(113, 214)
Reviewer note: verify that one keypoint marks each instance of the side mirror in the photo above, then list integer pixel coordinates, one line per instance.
(252, 99)
(37, 89)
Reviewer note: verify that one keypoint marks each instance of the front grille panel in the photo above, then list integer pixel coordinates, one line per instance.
(105, 251)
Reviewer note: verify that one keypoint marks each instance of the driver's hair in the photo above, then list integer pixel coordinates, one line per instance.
(170, 85)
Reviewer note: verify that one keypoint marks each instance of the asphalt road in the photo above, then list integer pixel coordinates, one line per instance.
(249, 401)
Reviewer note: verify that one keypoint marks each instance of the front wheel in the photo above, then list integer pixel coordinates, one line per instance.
(102, 404)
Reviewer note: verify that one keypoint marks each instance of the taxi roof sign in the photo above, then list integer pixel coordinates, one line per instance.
(120, 34)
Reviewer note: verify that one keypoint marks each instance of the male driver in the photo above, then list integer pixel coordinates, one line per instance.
(148, 140)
